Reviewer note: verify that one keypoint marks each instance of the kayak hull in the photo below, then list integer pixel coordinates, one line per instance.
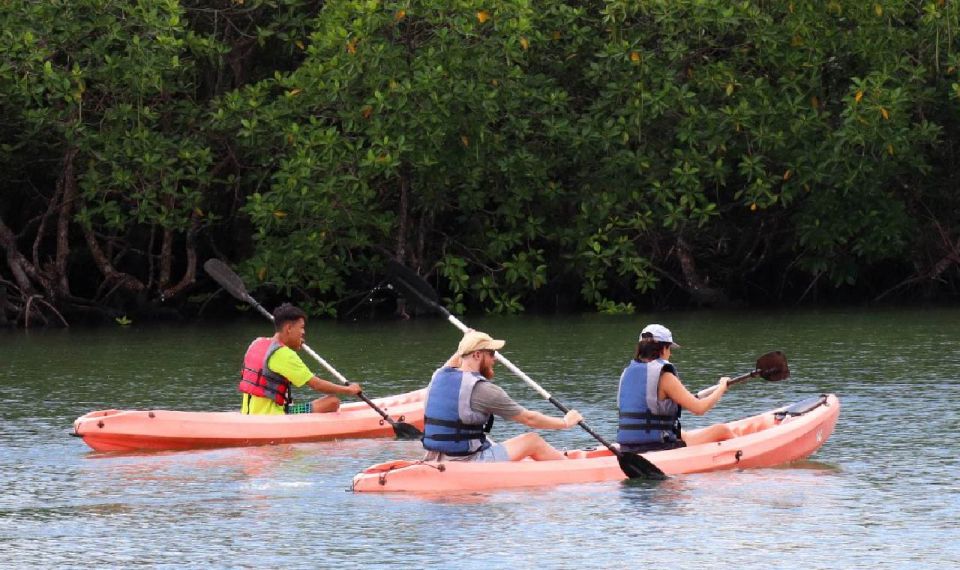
(765, 440)
(139, 430)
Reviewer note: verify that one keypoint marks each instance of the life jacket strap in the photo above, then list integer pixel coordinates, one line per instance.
(649, 421)
(489, 425)
(455, 436)
(268, 390)
(646, 416)
(649, 426)
(465, 431)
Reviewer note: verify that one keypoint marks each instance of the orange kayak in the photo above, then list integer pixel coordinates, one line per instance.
(131, 430)
(773, 438)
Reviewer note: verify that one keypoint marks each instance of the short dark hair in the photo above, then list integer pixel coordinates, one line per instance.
(649, 349)
(287, 313)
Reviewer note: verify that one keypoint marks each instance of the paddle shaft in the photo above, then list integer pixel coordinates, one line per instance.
(742, 378)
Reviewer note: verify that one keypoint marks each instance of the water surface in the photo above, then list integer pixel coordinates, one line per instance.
(881, 493)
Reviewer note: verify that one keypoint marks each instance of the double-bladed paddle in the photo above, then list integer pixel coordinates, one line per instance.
(230, 281)
(772, 366)
(633, 465)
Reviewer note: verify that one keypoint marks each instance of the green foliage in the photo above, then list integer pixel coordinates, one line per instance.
(111, 79)
(106, 92)
(540, 139)
(616, 149)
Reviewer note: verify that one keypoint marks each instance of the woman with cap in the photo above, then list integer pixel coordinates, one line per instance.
(461, 403)
(651, 396)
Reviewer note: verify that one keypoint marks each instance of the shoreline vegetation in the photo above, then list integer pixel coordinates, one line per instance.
(522, 155)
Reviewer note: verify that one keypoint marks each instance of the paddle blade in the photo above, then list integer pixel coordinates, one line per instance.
(773, 366)
(637, 466)
(404, 430)
(408, 280)
(227, 278)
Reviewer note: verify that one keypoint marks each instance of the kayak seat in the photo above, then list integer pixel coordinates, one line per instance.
(752, 425)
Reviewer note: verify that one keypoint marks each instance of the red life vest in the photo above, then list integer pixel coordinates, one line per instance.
(257, 379)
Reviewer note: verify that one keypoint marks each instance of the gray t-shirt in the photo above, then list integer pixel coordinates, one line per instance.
(488, 398)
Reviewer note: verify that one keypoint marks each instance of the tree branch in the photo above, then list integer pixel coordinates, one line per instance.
(127, 281)
(190, 273)
(24, 272)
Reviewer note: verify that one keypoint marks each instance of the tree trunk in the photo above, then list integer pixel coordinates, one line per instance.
(4, 307)
(166, 258)
(697, 286)
(422, 229)
(404, 219)
(68, 186)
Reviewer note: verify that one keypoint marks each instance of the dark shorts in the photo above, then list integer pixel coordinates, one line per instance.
(656, 446)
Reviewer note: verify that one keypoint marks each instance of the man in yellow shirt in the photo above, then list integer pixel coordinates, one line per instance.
(271, 368)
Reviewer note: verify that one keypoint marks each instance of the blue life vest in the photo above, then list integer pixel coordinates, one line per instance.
(645, 420)
(257, 379)
(450, 426)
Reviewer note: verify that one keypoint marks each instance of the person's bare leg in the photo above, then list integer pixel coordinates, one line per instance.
(325, 404)
(707, 435)
(531, 445)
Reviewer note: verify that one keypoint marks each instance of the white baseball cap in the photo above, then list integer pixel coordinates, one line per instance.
(660, 333)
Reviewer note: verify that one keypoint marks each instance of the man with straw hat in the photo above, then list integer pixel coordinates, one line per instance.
(461, 403)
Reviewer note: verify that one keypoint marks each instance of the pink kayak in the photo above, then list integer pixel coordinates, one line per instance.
(130, 430)
(773, 438)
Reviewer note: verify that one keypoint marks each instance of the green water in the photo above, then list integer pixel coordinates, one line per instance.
(881, 493)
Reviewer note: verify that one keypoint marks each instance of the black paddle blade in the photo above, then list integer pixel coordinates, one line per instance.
(773, 366)
(405, 278)
(637, 466)
(226, 277)
(404, 430)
